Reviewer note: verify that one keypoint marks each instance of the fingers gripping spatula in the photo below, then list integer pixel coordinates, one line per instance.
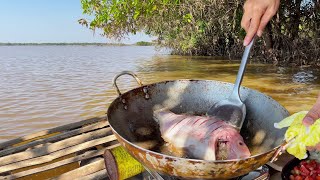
(233, 110)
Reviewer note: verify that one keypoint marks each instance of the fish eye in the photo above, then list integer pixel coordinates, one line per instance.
(240, 143)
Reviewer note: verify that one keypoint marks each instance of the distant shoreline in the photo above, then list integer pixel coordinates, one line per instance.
(141, 43)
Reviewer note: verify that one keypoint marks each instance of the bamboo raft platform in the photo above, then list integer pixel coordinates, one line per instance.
(72, 151)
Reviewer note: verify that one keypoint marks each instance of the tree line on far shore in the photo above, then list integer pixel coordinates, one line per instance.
(139, 43)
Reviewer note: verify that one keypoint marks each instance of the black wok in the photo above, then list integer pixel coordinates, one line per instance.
(130, 117)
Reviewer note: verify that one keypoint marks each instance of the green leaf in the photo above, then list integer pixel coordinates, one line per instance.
(187, 18)
(154, 8)
(136, 14)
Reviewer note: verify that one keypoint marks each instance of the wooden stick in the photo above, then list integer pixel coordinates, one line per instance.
(47, 149)
(87, 155)
(57, 154)
(82, 171)
(54, 138)
(53, 130)
(99, 175)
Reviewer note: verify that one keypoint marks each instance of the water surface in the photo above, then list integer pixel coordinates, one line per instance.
(46, 86)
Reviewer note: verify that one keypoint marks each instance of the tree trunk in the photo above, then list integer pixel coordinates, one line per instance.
(316, 11)
(268, 38)
(296, 19)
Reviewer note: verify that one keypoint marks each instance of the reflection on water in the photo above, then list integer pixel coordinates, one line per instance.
(47, 86)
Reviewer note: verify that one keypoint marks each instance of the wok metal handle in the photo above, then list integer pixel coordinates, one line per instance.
(281, 149)
(125, 73)
(278, 152)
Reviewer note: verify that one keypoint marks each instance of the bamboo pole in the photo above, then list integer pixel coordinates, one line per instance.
(53, 130)
(83, 171)
(86, 155)
(99, 175)
(57, 154)
(47, 149)
(54, 138)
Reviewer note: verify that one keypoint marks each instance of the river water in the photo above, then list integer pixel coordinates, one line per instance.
(46, 86)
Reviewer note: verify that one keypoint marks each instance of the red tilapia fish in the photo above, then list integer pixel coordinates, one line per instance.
(200, 137)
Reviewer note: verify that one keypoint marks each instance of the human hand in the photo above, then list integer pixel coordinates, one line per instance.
(310, 118)
(313, 114)
(257, 14)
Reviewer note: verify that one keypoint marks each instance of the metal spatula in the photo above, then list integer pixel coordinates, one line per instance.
(233, 110)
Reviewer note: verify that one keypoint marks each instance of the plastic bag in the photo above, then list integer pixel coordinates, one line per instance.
(304, 136)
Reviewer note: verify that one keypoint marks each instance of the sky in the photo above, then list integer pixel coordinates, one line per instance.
(45, 21)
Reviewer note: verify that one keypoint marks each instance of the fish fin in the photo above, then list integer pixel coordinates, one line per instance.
(157, 109)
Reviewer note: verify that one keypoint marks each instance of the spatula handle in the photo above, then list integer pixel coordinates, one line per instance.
(242, 68)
